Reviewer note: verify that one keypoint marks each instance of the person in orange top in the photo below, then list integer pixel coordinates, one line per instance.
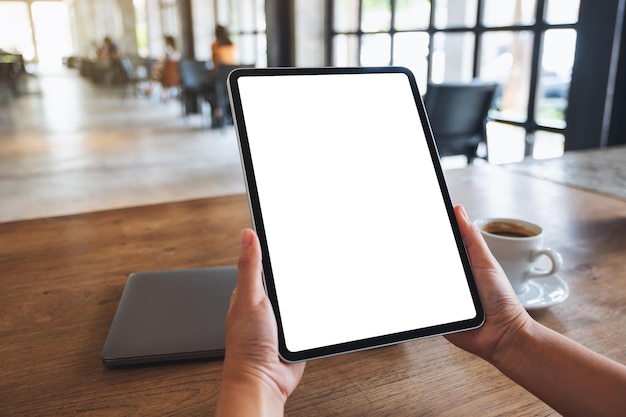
(223, 48)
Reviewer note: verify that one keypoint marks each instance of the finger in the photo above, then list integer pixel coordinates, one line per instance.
(477, 249)
(249, 269)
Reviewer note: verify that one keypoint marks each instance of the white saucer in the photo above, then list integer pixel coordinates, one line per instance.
(544, 292)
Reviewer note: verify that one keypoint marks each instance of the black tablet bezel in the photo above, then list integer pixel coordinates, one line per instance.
(257, 217)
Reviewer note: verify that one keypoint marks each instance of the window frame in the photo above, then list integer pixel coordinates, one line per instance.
(538, 29)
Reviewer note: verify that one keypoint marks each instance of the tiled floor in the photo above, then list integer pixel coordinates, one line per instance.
(73, 147)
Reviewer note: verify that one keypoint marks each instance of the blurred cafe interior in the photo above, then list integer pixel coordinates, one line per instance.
(81, 130)
(118, 155)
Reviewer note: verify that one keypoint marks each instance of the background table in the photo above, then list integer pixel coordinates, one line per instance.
(61, 280)
(601, 170)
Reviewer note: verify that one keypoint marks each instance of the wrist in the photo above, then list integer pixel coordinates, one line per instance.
(514, 344)
(246, 394)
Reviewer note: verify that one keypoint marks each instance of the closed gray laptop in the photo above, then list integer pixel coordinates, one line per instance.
(170, 315)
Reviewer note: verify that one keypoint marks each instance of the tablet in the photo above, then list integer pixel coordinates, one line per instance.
(359, 240)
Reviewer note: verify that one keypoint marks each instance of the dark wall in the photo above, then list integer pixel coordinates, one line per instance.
(617, 131)
(592, 86)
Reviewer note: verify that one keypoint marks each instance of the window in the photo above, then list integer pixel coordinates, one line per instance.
(527, 46)
(52, 34)
(39, 31)
(16, 34)
(245, 20)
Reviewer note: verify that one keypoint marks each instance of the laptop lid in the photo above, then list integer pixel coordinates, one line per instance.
(170, 315)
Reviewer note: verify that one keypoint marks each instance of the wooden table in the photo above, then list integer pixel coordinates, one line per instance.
(62, 278)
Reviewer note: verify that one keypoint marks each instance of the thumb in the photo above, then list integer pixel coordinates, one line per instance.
(477, 249)
(249, 268)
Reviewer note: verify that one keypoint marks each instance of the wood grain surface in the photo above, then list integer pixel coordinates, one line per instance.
(61, 280)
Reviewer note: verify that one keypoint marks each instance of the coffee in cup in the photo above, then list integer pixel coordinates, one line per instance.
(517, 245)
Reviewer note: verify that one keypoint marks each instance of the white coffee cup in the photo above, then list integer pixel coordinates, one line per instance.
(517, 245)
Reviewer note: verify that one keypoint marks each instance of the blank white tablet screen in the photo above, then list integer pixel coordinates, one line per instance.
(358, 235)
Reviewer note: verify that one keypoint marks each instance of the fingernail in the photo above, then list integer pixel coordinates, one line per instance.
(464, 213)
(246, 238)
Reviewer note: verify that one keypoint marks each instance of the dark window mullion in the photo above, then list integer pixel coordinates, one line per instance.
(478, 34)
(538, 32)
(431, 34)
(392, 31)
(360, 32)
(330, 32)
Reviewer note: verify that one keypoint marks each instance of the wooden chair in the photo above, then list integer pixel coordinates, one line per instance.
(170, 77)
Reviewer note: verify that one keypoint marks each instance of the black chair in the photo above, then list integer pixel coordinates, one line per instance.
(458, 116)
(11, 69)
(7, 92)
(218, 97)
(194, 82)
